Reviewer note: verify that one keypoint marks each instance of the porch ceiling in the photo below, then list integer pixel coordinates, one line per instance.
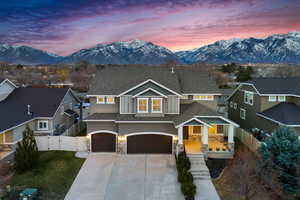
(212, 121)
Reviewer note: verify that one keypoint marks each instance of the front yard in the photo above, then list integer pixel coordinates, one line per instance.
(53, 177)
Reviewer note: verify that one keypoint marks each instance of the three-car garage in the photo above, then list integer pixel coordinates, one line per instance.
(137, 143)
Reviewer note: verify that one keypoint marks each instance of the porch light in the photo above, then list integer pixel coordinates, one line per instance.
(175, 137)
(88, 136)
(121, 138)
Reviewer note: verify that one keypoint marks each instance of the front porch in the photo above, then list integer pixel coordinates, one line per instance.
(212, 136)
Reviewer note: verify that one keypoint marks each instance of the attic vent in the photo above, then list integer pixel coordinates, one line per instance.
(29, 110)
(172, 70)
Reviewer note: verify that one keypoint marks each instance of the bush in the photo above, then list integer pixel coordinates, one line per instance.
(188, 189)
(185, 176)
(183, 162)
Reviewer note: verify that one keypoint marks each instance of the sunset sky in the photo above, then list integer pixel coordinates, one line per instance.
(65, 26)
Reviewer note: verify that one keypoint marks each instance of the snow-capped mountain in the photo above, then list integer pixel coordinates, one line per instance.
(131, 52)
(26, 55)
(280, 48)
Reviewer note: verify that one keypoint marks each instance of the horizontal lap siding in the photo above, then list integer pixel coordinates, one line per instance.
(139, 127)
(173, 104)
(96, 126)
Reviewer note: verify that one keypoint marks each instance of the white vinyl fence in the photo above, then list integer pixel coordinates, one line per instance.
(73, 130)
(248, 139)
(62, 143)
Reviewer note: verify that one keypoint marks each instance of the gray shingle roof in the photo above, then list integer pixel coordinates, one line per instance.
(44, 103)
(102, 116)
(289, 85)
(113, 80)
(285, 113)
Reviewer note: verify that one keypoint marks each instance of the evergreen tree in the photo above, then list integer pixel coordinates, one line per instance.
(244, 74)
(26, 155)
(281, 152)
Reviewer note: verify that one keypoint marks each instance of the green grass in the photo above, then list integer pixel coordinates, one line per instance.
(54, 176)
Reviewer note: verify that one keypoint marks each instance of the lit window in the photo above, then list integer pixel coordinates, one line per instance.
(142, 105)
(184, 97)
(235, 106)
(42, 125)
(242, 113)
(281, 98)
(101, 100)
(110, 100)
(156, 105)
(203, 97)
(248, 98)
(272, 98)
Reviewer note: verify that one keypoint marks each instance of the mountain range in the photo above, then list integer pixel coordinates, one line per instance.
(279, 48)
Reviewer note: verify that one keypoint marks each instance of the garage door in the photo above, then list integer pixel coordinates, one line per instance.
(149, 143)
(103, 142)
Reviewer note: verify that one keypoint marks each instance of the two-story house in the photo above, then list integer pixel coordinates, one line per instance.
(157, 110)
(47, 111)
(266, 103)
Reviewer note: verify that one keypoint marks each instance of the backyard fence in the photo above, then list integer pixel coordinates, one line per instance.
(62, 143)
(248, 139)
(72, 131)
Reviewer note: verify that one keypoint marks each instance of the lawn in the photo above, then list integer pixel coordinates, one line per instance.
(54, 176)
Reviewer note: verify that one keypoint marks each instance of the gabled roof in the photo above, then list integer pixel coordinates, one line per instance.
(1, 80)
(277, 86)
(115, 80)
(44, 102)
(284, 113)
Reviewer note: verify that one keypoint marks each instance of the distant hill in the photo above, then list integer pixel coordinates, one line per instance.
(280, 48)
(275, 49)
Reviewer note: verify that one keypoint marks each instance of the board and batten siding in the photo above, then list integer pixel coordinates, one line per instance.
(173, 105)
(126, 104)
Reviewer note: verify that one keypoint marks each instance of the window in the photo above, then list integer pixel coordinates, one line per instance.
(110, 100)
(203, 97)
(184, 97)
(281, 98)
(42, 125)
(101, 100)
(156, 105)
(142, 105)
(231, 104)
(71, 106)
(197, 130)
(235, 106)
(242, 113)
(272, 98)
(248, 98)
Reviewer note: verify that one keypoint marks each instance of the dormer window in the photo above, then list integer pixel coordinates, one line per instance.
(105, 100)
(101, 100)
(156, 105)
(248, 98)
(142, 105)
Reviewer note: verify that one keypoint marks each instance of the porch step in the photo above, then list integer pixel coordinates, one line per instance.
(198, 169)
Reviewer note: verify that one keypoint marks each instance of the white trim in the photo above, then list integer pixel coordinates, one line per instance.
(161, 105)
(97, 99)
(223, 118)
(244, 110)
(284, 98)
(280, 123)
(138, 107)
(246, 94)
(145, 122)
(272, 100)
(194, 118)
(99, 120)
(42, 129)
(145, 83)
(103, 131)
(150, 133)
(146, 90)
(202, 94)
(7, 80)
(203, 99)
(110, 96)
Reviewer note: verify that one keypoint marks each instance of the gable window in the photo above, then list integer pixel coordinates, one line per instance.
(235, 106)
(203, 97)
(248, 98)
(156, 105)
(242, 113)
(42, 125)
(110, 100)
(231, 104)
(101, 100)
(281, 98)
(142, 105)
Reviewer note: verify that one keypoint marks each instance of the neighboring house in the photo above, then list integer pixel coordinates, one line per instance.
(266, 103)
(157, 110)
(47, 111)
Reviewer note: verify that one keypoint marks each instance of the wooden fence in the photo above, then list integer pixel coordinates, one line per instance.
(248, 139)
(62, 143)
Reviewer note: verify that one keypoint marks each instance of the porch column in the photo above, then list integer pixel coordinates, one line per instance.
(231, 137)
(179, 147)
(205, 139)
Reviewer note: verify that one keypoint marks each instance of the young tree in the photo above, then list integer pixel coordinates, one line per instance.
(26, 155)
(281, 152)
(229, 68)
(244, 74)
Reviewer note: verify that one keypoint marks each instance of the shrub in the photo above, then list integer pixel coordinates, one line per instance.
(26, 155)
(183, 162)
(185, 176)
(188, 189)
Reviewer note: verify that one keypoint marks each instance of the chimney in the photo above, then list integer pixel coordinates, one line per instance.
(172, 70)
(29, 110)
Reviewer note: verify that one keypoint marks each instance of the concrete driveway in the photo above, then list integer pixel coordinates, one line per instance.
(126, 177)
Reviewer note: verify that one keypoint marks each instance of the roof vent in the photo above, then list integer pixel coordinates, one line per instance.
(172, 70)
(29, 110)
